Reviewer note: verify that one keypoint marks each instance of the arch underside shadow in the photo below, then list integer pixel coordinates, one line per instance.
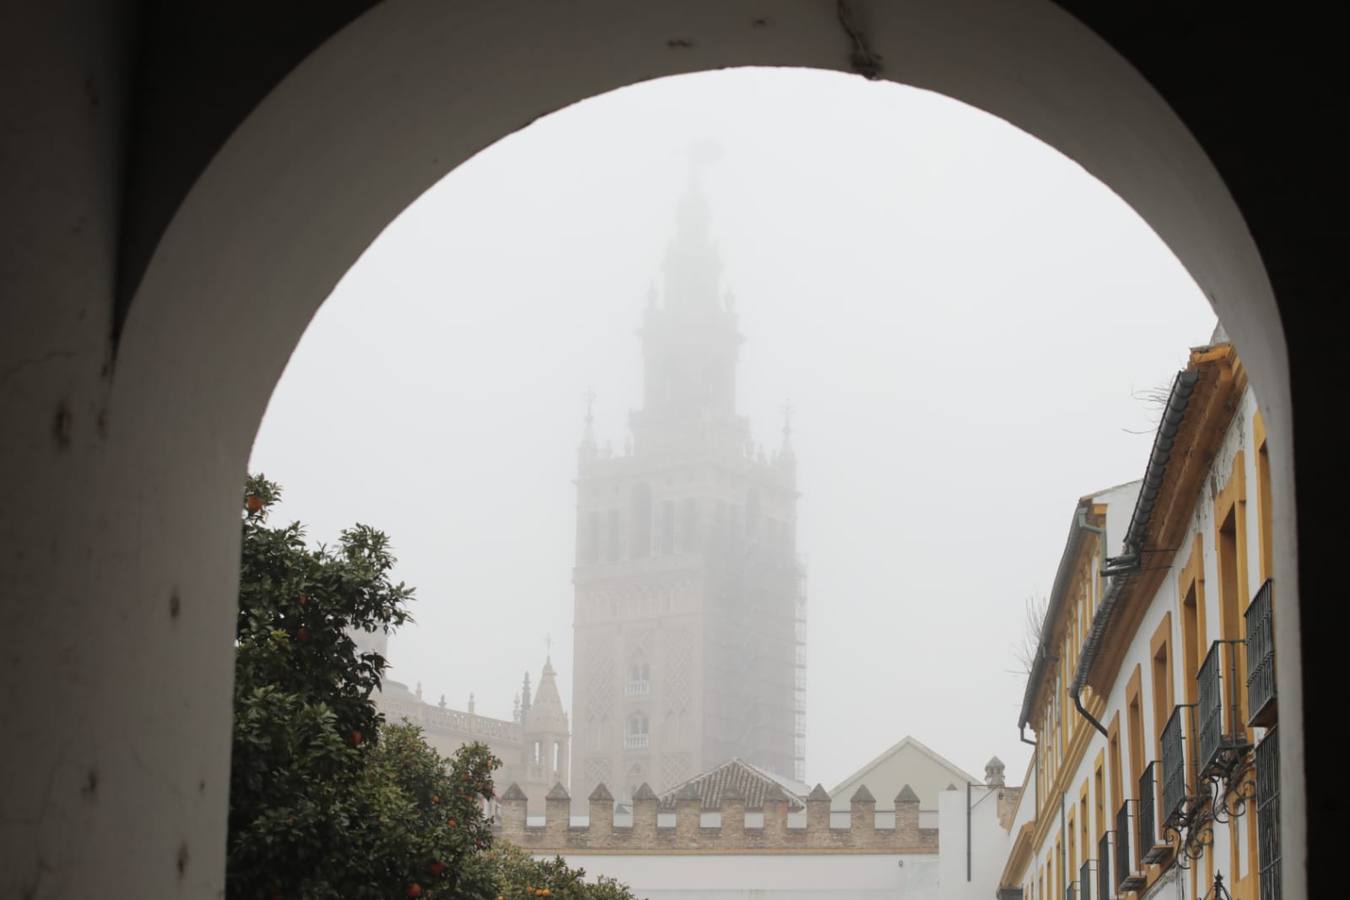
(392, 103)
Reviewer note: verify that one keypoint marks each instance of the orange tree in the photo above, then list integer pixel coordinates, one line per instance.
(521, 877)
(326, 801)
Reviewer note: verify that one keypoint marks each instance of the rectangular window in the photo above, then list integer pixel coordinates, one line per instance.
(1192, 639)
(1230, 602)
(1268, 814)
(1264, 510)
(1161, 647)
(1099, 796)
(1113, 754)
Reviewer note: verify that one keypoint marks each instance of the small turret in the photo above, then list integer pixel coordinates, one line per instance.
(993, 772)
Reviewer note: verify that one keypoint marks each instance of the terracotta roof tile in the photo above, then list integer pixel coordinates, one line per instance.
(734, 777)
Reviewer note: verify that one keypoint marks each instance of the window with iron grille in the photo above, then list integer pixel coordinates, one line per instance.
(1268, 814)
(1219, 729)
(1174, 767)
(1209, 706)
(1261, 694)
(1146, 814)
(1085, 880)
(1104, 887)
(1124, 865)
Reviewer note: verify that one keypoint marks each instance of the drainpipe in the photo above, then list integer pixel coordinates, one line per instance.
(1077, 687)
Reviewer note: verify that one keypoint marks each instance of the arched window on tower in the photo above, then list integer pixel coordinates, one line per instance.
(639, 683)
(636, 732)
(640, 520)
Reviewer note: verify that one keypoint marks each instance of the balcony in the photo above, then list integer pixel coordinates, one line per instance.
(1085, 880)
(635, 741)
(1221, 737)
(1261, 697)
(1174, 770)
(1268, 815)
(637, 688)
(1128, 877)
(1104, 891)
(1152, 849)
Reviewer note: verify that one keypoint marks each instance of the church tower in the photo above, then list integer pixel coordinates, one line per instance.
(689, 603)
(545, 734)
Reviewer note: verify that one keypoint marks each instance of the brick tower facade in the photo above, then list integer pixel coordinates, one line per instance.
(689, 602)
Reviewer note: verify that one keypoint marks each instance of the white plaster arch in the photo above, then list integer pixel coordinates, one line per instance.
(377, 115)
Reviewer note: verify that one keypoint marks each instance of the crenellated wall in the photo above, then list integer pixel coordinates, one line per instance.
(646, 835)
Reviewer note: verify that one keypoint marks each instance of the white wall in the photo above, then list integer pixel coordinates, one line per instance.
(785, 877)
(1167, 599)
(989, 844)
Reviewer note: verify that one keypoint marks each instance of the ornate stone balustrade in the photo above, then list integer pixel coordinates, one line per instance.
(690, 836)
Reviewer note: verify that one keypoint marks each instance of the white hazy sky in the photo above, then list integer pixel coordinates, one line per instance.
(961, 317)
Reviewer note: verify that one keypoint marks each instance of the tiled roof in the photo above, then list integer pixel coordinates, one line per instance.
(736, 776)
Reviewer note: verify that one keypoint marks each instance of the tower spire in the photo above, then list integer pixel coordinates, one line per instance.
(587, 451)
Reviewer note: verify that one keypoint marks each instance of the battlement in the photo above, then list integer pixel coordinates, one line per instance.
(689, 836)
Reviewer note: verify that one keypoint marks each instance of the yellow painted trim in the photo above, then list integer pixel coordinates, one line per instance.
(1161, 641)
(1018, 857)
(1232, 500)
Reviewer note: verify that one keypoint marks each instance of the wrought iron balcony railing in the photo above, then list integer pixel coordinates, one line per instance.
(1175, 787)
(1071, 891)
(1268, 815)
(1152, 849)
(1105, 889)
(635, 742)
(1127, 872)
(637, 688)
(1085, 879)
(1261, 695)
(1221, 736)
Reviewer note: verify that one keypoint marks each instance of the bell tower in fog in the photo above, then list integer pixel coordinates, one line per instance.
(689, 602)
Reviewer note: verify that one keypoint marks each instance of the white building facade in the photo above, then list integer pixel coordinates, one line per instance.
(1152, 699)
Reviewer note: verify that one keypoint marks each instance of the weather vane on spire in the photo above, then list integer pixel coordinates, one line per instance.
(787, 411)
(589, 397)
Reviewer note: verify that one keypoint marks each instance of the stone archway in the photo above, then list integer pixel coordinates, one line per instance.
(358, 130)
